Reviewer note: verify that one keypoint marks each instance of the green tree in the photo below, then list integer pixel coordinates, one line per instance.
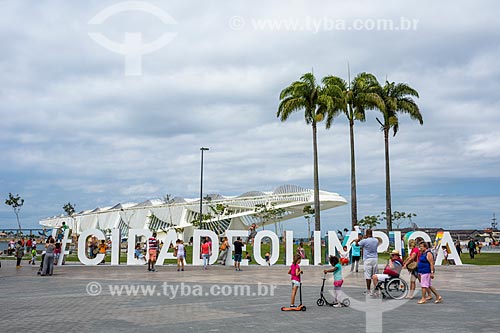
(205, 218)
(369, 221)
(269, 213)
(398, 98)
(69, 209)
(310, 97)
(167, 199)
(353, 99)
(309, 211)
(16, 202)
(219, 210)
(400, 217)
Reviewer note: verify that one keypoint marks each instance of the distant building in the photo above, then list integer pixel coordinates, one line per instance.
(220, 213)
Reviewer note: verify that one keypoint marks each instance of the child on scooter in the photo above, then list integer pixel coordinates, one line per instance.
(295, 272)
(337, 281)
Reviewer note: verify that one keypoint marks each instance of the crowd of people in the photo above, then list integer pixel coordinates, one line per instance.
(419, 262)
(48, 250)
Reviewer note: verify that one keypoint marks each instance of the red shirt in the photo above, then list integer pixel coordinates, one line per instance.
(293, 272)
(417, 252)
(205, 248)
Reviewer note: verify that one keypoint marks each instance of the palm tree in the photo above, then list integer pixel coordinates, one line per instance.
(355, 98)
(397, 99)
(307, 95)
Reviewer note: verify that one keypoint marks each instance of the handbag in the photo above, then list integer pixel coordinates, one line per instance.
(412, 266)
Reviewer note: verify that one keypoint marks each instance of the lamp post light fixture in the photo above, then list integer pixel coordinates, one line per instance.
(202, 149)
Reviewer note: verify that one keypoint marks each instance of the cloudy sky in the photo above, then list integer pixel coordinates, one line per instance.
(76, 126)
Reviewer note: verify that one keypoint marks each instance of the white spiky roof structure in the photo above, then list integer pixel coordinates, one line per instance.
(238, 212)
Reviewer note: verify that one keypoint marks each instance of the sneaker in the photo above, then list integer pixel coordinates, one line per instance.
(153, 270)
(293, 306)
(183, 269)
(149, 269)
(338, 305)
(178, 269)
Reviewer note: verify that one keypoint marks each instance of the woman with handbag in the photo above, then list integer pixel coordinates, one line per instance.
(411, 264)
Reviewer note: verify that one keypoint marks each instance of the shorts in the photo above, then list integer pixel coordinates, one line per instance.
(152, 255)
(181, 255)
(355, 258)
(338, 283)
(237, 257)
(382, 277)
(344, 261)
(425, 280)
(371, 266)
(295, 283)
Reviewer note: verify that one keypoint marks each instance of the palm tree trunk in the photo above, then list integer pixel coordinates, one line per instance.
(388, 210)
(18, 222)
(317, 223)
(354, 205)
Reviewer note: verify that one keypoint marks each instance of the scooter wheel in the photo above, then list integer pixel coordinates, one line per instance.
(320, 302)
(282, 308)
(303, 308)
(346, 302)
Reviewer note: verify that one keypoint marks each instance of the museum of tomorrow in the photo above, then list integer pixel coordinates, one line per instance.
(219, 213)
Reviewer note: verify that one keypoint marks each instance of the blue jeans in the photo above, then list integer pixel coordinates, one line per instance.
(206, 258)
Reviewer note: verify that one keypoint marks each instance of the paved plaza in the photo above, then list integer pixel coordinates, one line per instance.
(85, 299)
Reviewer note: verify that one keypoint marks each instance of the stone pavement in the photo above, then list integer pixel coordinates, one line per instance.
(221, 299)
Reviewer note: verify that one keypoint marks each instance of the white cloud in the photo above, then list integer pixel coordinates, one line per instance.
(75, 128)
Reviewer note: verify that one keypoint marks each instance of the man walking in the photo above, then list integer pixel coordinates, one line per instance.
(472, 248)
(370, 257)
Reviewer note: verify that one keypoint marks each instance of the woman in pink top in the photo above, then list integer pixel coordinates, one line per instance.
(205, 253)
(413, 257)
(295, 272)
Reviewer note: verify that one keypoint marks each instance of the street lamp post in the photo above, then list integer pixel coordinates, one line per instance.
(202, 149)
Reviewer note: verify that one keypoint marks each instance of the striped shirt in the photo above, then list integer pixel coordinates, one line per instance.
(153, 243)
